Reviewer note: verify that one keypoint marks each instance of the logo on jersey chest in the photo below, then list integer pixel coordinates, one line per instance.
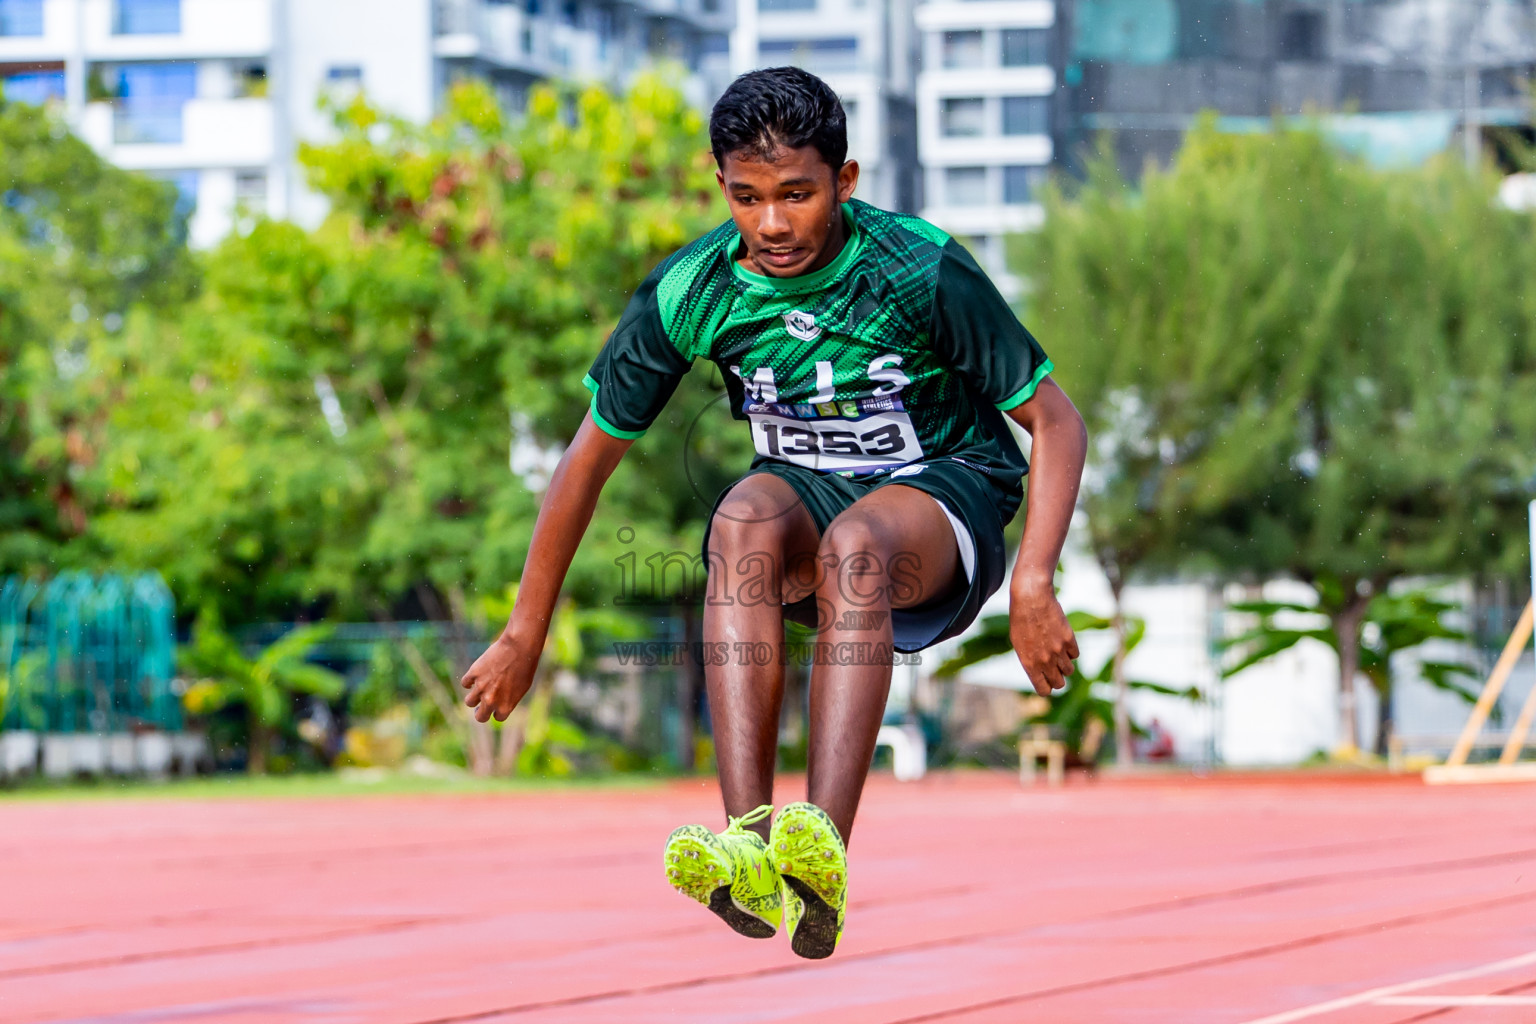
(801, 325)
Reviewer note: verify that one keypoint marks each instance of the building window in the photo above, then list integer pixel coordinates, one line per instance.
(343, 81)
(150, 102)
(251, 190)
(1026, 115)
(1020, 183)
(36, 87)
(251, 80)
(819, 56)
(963, 116)
(147, 17)
(1301, 35)
(1025, 46)
(786, 5)
(963, 49)
(21, 17)
(965, 186)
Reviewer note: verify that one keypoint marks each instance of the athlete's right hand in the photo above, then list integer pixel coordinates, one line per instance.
(500, 678)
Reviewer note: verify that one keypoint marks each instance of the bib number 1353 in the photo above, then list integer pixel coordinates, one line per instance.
(834, 444)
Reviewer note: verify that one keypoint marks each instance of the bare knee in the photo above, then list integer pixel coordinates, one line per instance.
(856, 551)
(747, 524)
(856, 531)
(754, 533)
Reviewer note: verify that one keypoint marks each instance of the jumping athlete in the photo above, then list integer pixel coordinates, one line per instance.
(876, 366)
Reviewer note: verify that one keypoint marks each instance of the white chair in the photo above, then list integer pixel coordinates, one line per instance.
(909, 751)
(191, 751)
(58, 755)
(18, 753)
(154, 753)
(1038, 746)
(120, 758)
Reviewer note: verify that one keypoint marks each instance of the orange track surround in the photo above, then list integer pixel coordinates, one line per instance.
(1226, 900)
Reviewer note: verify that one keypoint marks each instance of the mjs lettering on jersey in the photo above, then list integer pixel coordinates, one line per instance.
(848, 435)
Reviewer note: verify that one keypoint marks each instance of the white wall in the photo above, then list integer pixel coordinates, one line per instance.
(390, 40)
(1285, 709)
(215, 207)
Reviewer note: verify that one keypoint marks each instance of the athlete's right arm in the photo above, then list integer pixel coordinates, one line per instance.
(501, 676)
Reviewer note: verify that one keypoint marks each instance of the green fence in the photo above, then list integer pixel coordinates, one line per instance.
(84, 653)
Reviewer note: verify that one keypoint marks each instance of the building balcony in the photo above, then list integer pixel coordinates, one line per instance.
(837, 55)
(199, 133)
(712, 14)
(202, 28)
(993, 218)
(1032, 80)
(935, 15)
(981, 150)
(504, 35)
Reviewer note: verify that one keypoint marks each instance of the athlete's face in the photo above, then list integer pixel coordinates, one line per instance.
(788, 208)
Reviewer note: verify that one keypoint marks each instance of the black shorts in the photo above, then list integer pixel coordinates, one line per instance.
(976, 505)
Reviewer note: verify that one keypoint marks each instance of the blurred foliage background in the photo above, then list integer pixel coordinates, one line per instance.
(1291, 364)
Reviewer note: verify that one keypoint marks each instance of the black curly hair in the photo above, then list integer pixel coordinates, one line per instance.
(765, 110)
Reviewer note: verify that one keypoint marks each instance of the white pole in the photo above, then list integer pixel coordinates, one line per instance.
(744, 39)
(1532, 511)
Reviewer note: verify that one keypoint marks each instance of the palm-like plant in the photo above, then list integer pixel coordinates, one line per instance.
(1392, 623)
(264, 685)
(1072, 710)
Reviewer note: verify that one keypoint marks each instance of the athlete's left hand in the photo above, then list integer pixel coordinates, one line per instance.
(1041, 636)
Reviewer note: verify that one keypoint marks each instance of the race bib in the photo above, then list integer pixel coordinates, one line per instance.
(835, 437)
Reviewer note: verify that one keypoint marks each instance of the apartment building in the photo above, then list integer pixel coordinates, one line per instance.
(215, 95)
(985, 119)
(1396, 81)
(514, 43)
(867, 51)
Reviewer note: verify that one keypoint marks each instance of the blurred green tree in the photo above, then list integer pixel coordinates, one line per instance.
(82, 244)
(365, 412)
(1292, 363)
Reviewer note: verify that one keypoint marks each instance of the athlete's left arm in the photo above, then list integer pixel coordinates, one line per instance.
(1038, 627)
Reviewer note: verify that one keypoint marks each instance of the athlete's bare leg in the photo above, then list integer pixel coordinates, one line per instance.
(892, 548)
(759, 529)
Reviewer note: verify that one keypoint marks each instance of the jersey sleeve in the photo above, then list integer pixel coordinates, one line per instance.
(975, 332)
(638, 368)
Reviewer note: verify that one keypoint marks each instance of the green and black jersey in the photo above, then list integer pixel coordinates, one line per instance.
(898, 351)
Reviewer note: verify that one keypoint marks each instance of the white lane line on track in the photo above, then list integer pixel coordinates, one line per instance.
(1318, 1009)
(1456, 1001)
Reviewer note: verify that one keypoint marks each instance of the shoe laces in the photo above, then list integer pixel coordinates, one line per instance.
(752, 817)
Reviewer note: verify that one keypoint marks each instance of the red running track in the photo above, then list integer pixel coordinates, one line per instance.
(1226, 901)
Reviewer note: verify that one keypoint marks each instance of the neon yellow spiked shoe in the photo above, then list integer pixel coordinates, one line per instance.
(813, 863)
(730, 873)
